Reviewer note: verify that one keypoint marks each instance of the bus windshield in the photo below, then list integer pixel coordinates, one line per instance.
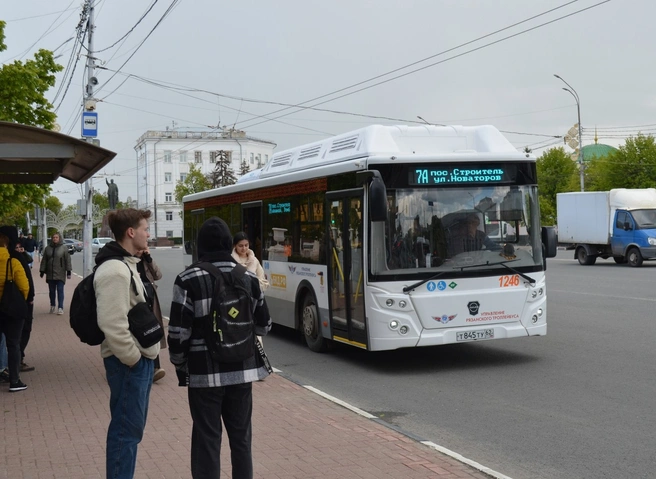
(464, 230)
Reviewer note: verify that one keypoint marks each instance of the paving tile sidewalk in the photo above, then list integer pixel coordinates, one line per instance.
(56, 428)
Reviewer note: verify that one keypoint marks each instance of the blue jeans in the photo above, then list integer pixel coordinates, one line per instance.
(128, 403)
(4, 362)
(233, 404)
(58, 287)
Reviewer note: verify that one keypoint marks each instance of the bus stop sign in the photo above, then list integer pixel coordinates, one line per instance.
(89, 124)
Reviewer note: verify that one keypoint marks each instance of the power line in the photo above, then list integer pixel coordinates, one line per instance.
(180, 89)
(424, 59)
(442, 61)
(173, 4)
(44, 34)
(131, 29)
(42, 15)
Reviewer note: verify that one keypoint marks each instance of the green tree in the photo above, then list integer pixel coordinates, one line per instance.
(22, 99)
(223, 174)
(244, 167)
(557, 173)
(101, 200)
(195, 182)
(633, 165)
(53, 204)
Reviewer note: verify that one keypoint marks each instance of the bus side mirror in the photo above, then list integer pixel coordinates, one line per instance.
(550, 241)
(377, 194)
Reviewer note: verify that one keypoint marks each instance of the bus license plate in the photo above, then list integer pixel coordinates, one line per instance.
(475, 335)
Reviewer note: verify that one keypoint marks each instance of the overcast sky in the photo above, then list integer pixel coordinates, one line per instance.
(291, 51)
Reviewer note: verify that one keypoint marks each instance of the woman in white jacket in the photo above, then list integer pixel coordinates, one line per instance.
(243, 255)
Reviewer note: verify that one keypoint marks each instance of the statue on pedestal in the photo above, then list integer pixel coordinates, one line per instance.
(112, 194)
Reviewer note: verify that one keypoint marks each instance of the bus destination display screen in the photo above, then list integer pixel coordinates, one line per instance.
(461, 174)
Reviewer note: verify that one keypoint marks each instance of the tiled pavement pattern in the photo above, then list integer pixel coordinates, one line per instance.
(56, 428)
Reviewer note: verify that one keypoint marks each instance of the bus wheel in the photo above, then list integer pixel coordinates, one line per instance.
(311, 326)
(634, 258)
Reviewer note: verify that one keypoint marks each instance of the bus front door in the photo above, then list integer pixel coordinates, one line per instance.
(346, 267)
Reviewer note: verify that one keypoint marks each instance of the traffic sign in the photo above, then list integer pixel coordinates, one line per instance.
(89, 124)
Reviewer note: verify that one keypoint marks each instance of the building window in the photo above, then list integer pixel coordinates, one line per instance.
(168, 197)
(183, 156)
(167, 177)
(183, 176)
(169, 216)
(266, 159)
(259, 160)
(198, 156)
(213, 156)
(167, 156)
(169, 233)
(252, 158)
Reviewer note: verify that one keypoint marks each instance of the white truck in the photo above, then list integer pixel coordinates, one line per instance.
(620, 223)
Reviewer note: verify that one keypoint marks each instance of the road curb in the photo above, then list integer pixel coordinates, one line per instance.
(452, 454)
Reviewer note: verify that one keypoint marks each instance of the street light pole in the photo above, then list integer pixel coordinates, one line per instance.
(572, 92)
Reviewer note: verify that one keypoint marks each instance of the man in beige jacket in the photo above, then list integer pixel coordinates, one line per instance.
(128, 365)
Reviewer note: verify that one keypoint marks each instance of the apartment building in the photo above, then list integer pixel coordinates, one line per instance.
(164, 157)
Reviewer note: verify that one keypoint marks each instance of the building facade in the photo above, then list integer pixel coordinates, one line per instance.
(164, 158)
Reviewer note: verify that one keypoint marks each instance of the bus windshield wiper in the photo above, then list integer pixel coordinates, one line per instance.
(502, 263)
(423, 281)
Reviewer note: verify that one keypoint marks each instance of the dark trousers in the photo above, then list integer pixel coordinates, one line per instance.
(12, 330)
(233, 404)
(27, 329)
(58, 288)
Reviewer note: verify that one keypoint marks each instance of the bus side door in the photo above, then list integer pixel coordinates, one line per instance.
(346, 267)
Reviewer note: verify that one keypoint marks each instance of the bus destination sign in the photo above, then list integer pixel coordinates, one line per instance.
(276, 208)
(451, 175)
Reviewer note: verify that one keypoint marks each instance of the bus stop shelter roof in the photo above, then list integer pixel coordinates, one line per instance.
(31, 155)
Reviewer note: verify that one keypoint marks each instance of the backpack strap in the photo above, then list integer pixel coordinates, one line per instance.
(120, 258)
(237, 273)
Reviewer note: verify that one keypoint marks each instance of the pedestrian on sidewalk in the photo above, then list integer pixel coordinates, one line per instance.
(12, 327)
(17, 251)
(128, 365)
(29, 244)
(56, 266)
(216, 390)
(150, 273)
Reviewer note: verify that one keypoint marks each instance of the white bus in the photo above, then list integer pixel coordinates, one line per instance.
(376, 238)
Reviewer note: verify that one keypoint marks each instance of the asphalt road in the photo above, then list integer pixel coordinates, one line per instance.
(577, 403)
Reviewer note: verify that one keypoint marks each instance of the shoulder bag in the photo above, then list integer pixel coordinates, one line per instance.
(12, 303)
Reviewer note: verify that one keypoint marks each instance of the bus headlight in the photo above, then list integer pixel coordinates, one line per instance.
(404, 329)
(394, 324)
(402, 303)
(389, 303)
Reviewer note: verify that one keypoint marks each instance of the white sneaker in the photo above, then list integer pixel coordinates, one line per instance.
(52, 309)
(60, 311)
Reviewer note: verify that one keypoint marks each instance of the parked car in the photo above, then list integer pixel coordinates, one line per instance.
(78, 245)
(98, 243)
(70, 244)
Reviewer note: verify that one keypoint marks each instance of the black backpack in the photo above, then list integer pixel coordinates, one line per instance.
(229, 331)
(83, 314)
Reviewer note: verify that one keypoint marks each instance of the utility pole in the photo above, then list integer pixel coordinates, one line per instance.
(89, 106)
